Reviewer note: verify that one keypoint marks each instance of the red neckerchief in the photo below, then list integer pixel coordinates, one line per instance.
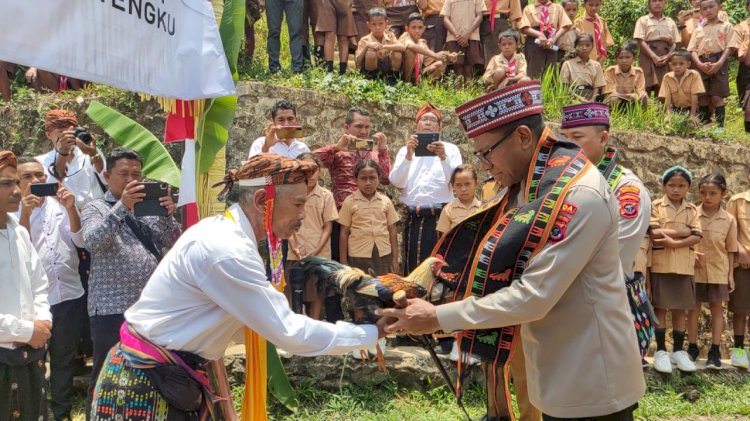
(598, 36)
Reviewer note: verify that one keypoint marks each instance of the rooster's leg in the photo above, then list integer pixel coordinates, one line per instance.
(380, 357)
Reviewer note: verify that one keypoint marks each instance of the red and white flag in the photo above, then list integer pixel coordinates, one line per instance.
(180, 126)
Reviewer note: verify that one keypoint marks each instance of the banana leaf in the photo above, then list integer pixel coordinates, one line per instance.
(278, 383)
(213, 130)
(231, 29)
(157, 163)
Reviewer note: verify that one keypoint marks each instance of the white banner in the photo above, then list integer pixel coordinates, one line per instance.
(169, 48)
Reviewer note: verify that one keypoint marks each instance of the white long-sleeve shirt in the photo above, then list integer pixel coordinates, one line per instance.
(424, 180)
(56, 246)
(213, 282)
(81, 177)
(292, 150)
(23, 284)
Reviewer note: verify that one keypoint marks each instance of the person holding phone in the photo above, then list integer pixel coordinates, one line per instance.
(125, 249)
(48, 211)
(282, 134)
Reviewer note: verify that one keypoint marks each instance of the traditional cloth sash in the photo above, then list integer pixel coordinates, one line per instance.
(491, 249)
(600, 48)
(143, 354)
(609, 168)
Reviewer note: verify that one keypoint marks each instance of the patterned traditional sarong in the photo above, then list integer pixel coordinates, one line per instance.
(644, 318)
(125, 391)
(23, 388)
(491, 249)
(420, 235)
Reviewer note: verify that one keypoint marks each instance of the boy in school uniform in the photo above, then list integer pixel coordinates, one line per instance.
(419, 60)
(566, 43)
(739, 299)
(435, 31)
(741, 42)
(379, 54)
(336, 22)
(688, 20)
(508, 67)
(657, 36)
(462, 19)
(498, 17)
(710, 49)
(544, 23)
(592, 23)
(360, 11)
(682, 86)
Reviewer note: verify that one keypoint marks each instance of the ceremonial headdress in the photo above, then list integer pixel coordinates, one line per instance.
(59, 119)
(428, 108)
(269, 170)
(501, 107)
(7, 159)
(589, 114)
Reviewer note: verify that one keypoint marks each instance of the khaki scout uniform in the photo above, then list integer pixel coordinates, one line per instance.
(634, 216)
(576, 326)
(719, 239)
(455, 212)
(679, 92)
(630, 83)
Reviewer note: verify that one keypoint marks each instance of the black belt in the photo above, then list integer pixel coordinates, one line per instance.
(423, 211)
(713, 57)
(499, 15)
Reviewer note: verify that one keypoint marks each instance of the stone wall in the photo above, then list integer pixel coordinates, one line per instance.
(323, 116)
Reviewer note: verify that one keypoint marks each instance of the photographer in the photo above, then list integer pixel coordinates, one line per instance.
(283, 114)
(125, 249)
(55, 229)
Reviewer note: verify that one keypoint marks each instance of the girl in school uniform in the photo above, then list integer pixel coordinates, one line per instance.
(581, 73)
(657, 35)
(368, 224)
(675, 229)
(624, 83)
(714, 279)
(464, 182)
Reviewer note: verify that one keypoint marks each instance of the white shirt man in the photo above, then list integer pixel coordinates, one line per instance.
(290, 150)
(81, 177)
(424, 180)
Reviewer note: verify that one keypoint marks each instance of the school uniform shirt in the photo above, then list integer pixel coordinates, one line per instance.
(213, 283)
(577, 73)
(711, 38)
(81, 177)
(585, 24)
(679, 92)
(617, 81)
(455, 212)
(23, 284)
(498, 61)
(292, 150)
(664, 215)
(696, 22)
(319, 210)
(576, 325)
(388, 39)
(651, 28)
(568, 40)
(643, 257)
(462, 14)
(368, 221)
(433, 8)
(741, 38)
(719, 239)
(530, 18)
(56, 246)
(425, 180)
(509, 8)
(739, 207)
(407, 40)
(634, 215)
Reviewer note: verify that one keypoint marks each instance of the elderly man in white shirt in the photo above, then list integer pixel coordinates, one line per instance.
(25, 319)
(213, 283)
(55, 228)
(280, 136)
(424, 185)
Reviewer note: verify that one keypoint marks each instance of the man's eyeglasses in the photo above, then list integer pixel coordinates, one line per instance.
(482, 155)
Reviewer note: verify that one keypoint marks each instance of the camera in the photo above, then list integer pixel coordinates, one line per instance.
(82, 134)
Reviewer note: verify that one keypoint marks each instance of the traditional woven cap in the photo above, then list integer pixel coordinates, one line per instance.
(268, 169)
(589, 114)
(501, 107)
(59, 119)
(428, 108)
(7, 159)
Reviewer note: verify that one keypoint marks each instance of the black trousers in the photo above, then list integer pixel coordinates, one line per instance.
(68, 320)
(333, 303)
(624, 415)
(84, 269)
(105, 333)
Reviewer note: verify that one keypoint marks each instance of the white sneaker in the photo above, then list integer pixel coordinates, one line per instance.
(662, 363)
(739, 358)
(682, 360)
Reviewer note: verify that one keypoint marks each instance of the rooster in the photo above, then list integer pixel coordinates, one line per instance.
(364, 293)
